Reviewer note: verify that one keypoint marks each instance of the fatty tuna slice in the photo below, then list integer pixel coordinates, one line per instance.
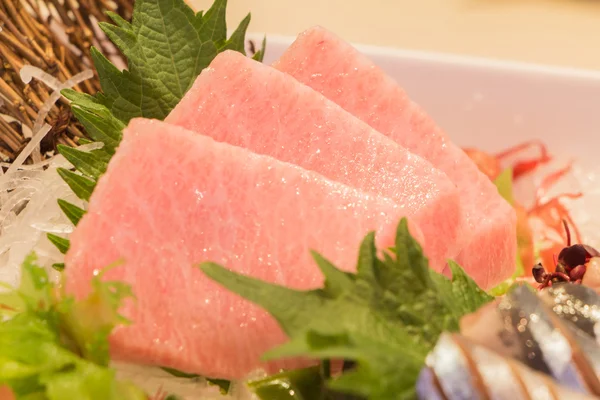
(172, 199)
(245, 103)
(331, 66)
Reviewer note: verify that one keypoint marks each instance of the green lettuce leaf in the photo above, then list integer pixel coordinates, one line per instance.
(386, 317)
(53, 347)
(504, 184)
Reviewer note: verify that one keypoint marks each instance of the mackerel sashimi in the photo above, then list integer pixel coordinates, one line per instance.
(245, 103)
(334, 68)
(211, 201)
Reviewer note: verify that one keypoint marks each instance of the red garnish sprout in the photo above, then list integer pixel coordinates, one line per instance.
(552, 213)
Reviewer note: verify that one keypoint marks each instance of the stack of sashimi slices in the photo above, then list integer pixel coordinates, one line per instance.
(254, 168)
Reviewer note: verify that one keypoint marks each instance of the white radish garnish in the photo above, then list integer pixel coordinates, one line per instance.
(29, 193)
(27, 73)
(153, 379)
(29, 149)
(27, 132)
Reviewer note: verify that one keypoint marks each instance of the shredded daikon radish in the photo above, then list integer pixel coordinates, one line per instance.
(27, 73)
(16, 182)
(27, 132)
(59, 33)
(57, 160)
(8, 118)
(29, 193)
(17, 197)
(23, 232)
(22, 174)
(48, 104)
(26, 152)
(26, 231)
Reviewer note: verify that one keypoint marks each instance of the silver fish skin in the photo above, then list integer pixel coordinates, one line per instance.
(578, 305)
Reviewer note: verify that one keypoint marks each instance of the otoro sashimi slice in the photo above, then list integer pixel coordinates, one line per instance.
(171, 199)
(245, 103)
(334, 68)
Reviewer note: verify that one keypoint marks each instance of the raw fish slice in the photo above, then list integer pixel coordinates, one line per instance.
(487, 326)
(453, 370)
(579, 305)
(245, 103)
(172, 199)
(520, 326)
(542, 387)
(481, 373)
(334, 68)
(427, 387)
(539, 386)
(495, 373)
(591, 278)
(587, 355)
(571, 358)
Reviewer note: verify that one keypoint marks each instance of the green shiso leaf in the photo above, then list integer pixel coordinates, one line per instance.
(260, 54)
(61, 244)
(90, 164)
(166, 45)
(222, 384)
(179, 374)
(300, 384)
(59, 266)
(386, 317)
(79, 184)
(72, 212)
(97, 119)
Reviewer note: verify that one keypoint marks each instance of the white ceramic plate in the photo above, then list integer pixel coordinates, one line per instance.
(493, 104)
